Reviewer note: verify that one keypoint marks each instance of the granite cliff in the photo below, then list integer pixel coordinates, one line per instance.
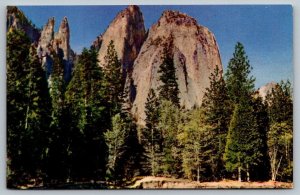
(127, 30)
(195, 55)
(60, 41)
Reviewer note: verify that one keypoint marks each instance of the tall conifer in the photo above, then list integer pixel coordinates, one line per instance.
(89, 116)
(243, 147)
(217, 108)
(169, 89)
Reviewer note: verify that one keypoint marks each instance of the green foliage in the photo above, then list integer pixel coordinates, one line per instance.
(217, 109)
(89, 116)
(260, 171)
(169, 88)
(17, 50)
(280, 103)
(280, 135)
(124, 149)
(37, 116)
(196, 141)
(246, 140)
(113, 80)
(151, 136)
(131, 156)
(28, 105)
(239, 82)
(232, 153)
(57, 88)
(168, 125)
(57, 156)
(244, 146)
(115, 139)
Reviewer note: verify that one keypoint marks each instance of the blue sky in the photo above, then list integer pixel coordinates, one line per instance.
(265, 31)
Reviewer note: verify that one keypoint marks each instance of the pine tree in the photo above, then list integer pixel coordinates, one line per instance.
(196, 140)
(169, 89)
(37, 118)
(280, 135)
(57, 87)
(124, 149)
(115, 139)
(244, 146)
(217, 108)
(239, 82)
(17, 65)
(57, 155)
(89, 116)
(28, 102)
(113, 80)
(168, 126)
(129, 164)
(260, 171)
(152, 137)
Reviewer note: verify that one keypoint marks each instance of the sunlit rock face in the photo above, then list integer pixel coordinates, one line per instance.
(127, 30)
(266, 89)
(60, 41)
(195, 55)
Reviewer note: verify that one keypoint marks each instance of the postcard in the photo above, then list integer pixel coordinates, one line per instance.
(149, 96)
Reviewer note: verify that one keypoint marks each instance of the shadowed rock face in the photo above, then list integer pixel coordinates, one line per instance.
(195, 55)
(97, 43)
(127, 31)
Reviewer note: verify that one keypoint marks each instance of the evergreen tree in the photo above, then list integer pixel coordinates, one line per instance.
(239, 82)
(280, 103)
(196, 141)
(245, 144)
(152, 137)
(17, 50)
(168, 125)
(57, 87)
(124, 149)
(217, 109)
(89, 116)
(115, 139)
(131, 156)
(260, 171)
(37, 118)
(169, 88)
(113, 80)
(57, 165)
(280, 135)
(28, 102)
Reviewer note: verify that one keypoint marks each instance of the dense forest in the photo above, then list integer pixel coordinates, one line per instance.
(82, 131)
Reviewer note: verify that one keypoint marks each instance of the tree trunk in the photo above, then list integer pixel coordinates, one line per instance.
(152, 152)
(240, 174)
(248, 174)
(239, 169)
(198, 174)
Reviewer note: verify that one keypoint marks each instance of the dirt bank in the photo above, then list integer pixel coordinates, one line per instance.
(167, 183)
